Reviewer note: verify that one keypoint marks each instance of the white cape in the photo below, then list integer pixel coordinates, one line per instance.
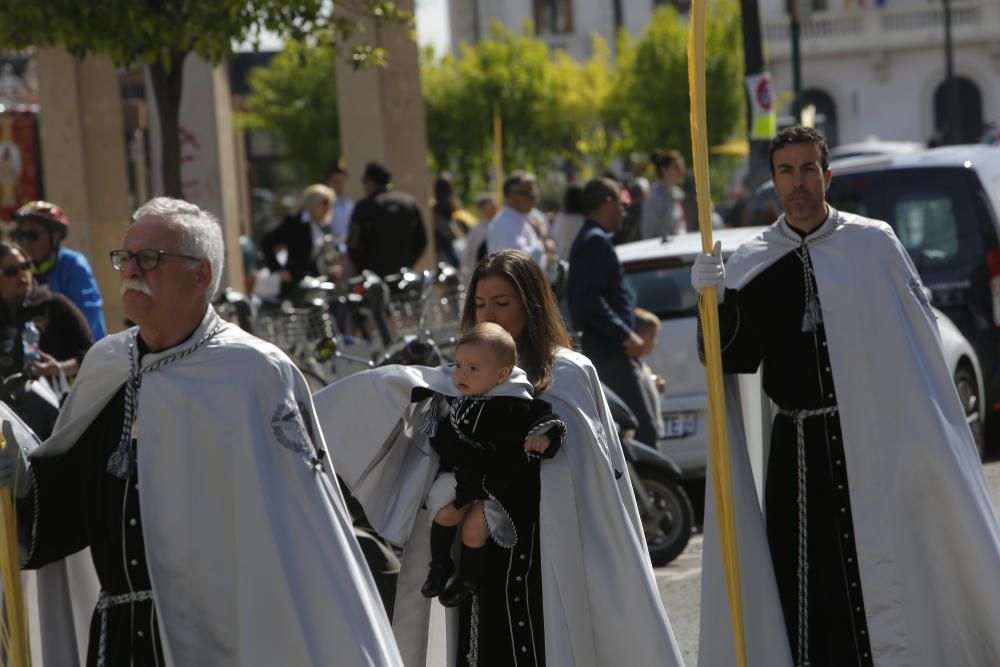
(601, 602)
(927, 536)
(251, 552)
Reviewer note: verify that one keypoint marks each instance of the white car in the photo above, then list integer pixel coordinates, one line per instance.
(658, 273)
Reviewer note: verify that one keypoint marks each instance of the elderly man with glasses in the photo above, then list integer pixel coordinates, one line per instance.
(514, 227)
(189, 460)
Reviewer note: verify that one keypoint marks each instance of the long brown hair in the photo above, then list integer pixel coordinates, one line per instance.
(544, 331)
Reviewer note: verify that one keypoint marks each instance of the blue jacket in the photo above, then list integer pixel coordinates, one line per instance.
(73, 277)
(600, 305)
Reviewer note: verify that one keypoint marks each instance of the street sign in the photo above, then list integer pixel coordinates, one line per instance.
(760, 90)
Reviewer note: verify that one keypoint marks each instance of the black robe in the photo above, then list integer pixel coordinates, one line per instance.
(76, 503)
(763, 323)
(502, 625)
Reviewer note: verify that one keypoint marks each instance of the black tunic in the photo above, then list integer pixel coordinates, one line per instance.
(78, 504)
(502, 625)
(763, 323)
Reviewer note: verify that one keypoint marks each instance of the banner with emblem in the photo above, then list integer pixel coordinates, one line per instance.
(20, 176)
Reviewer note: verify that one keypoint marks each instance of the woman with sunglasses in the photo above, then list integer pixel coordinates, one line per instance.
(41, 229)
(63, 334)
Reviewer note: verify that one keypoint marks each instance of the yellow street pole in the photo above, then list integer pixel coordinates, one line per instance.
(708, 306)
(13, 625)
(498, 152)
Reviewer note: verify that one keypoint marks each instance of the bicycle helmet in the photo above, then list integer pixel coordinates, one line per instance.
(44, 213)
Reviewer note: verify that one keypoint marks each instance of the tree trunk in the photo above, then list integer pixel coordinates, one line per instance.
(167, 84)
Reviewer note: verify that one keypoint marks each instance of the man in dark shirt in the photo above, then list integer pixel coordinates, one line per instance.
(387, 231)
(601, 308)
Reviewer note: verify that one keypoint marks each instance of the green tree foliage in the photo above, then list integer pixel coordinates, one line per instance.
(549, 107)
(559, 113)
(162, 33)
(649, 104)
(295, 96)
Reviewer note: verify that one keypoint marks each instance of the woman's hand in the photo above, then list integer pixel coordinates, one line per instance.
(48, 365)
(537, 443)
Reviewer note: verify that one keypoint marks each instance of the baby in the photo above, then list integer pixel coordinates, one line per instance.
(493, 443)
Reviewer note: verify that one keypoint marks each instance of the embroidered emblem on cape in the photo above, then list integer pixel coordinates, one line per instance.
(918, 293)
(601, 434)
(290, 429)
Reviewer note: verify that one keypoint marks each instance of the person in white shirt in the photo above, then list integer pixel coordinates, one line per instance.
(343, 206)
(663, 210)
(512, 228)
(475, 240)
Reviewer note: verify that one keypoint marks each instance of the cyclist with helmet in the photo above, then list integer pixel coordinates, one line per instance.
(41, 229)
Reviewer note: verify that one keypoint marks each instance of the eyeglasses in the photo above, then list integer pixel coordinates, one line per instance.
(14, 269)
(27, 235)
(531, 194)
(148, 258)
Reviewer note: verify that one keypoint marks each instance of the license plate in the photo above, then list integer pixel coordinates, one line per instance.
(679, 424)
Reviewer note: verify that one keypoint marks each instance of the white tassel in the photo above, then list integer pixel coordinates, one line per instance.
(812, 317)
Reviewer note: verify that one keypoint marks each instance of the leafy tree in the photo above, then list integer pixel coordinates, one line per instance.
(162, 33)
(549, 107)
(295, 96)
(649, 104)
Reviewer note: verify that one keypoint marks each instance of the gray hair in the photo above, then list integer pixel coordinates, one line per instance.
(201, 232)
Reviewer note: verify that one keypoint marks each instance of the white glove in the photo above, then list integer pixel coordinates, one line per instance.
(14, 463)
(708, 269)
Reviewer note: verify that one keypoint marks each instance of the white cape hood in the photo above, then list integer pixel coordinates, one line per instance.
(601, 602)
(251, 552)
(927, 536)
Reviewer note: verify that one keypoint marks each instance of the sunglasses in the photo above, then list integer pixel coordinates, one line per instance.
(148, 258)
(27, 235)
(14, 269)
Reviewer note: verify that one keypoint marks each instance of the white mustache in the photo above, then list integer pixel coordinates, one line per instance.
(135, 284)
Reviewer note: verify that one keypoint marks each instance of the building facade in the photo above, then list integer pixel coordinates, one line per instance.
(564, 24)
(872, 68)
(879, 71)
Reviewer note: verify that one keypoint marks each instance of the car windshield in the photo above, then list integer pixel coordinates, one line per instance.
(663, 287)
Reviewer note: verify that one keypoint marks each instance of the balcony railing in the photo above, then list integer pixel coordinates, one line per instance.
(847, 31)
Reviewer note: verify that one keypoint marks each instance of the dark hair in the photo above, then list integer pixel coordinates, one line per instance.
(337, 170)
(799, 134)
(377, 174)
(573, 199)
(544, 331)
(661, 159)
(8, 248)
(444, 195)
(496, 338)
(515, 180)
(596, 192)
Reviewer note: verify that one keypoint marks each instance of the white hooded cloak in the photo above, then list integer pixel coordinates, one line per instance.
(927, 536)
(251, 552)
(601, 603)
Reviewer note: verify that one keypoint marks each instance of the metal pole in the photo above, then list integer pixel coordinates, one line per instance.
(952, 131)
(794, 27)
(758, 171)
